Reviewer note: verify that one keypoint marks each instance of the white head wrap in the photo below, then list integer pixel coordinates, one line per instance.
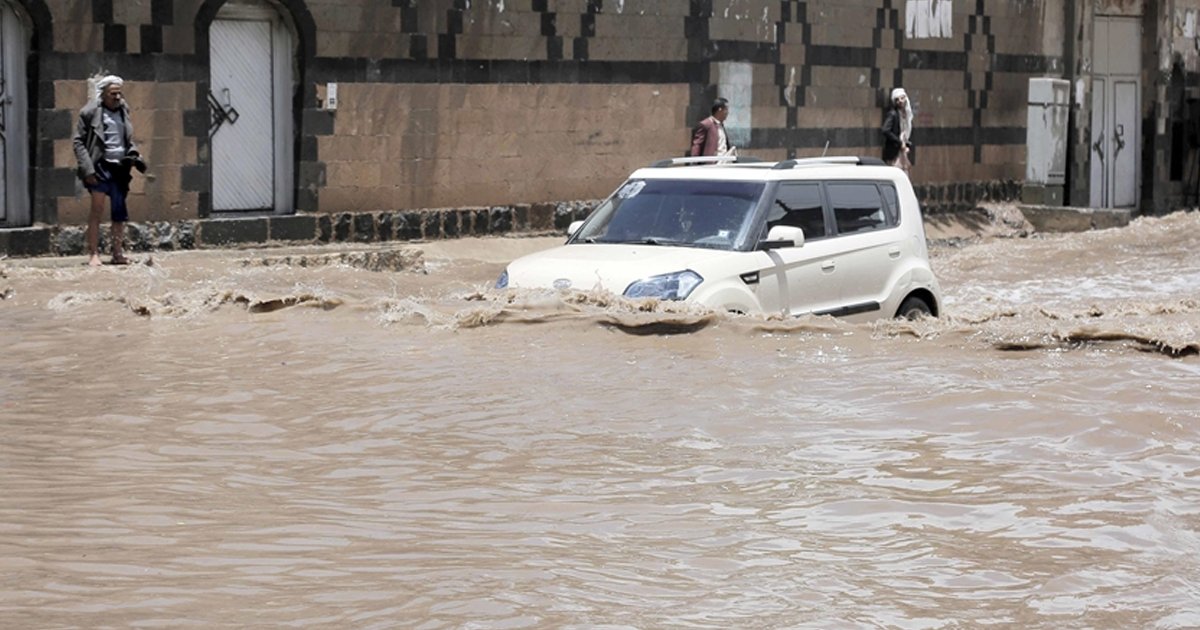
(907, 117)
(104, 82)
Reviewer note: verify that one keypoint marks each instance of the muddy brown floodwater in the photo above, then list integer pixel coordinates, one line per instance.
(315, 439)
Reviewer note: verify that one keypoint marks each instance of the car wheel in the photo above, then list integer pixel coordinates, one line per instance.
(913, 308)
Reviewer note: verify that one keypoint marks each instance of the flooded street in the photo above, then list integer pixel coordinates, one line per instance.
(238, 439)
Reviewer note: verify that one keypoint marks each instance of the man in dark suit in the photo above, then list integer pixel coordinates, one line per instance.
(708, 137)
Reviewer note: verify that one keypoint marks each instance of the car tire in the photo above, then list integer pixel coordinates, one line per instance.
(913, 308)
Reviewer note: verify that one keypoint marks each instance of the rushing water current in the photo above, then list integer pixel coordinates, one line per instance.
(330, 438)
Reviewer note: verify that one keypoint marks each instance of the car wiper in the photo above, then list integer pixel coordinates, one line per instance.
(658, 240)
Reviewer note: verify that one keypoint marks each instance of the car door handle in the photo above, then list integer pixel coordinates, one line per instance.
(894, 252)
(827, 265)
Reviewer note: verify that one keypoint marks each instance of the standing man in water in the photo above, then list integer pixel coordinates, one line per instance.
(709, 138)
(105, 152)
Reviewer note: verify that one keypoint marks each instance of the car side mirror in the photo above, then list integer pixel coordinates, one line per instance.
(783, 236)
(573, 228)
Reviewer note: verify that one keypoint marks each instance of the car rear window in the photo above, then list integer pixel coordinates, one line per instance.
(858, 207)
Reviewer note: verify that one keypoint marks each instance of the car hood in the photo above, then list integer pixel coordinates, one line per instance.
(587, 266)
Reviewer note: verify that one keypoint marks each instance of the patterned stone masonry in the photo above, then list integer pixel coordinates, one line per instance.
(367, 227)
(399, 226)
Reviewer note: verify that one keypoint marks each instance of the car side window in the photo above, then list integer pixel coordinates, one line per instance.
(799, 205)
(857, 207)
(893, 203)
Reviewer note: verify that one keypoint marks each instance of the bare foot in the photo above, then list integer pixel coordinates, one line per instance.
(94, 261)
(119, 259)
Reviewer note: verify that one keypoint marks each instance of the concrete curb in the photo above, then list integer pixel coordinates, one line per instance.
(302, 229)
(1071, 219)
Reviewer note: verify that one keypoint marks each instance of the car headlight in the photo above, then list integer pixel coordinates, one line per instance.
(502, 281)
(669, 286)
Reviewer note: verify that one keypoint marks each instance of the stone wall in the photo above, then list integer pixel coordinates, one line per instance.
(493, 102)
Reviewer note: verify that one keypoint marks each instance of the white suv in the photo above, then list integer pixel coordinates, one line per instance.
(829, 236)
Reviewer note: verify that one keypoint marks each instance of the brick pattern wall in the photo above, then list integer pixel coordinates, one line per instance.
(455, 103)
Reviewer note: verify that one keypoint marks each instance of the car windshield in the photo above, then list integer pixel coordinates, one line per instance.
(689, 213)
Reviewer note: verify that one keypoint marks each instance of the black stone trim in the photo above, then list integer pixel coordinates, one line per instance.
(58, 123)
(752, 52)
(810, 138)
(1031, 64)
(45, 153)
(159, 67)
(317, 122)
(151, 38)
(933, 60)
(194, 177)
(196, 122)
(447, 47)
(102, 11)
(841, 56)
(162, 12)
(409, 17)
(418, 46)
(233, 231)
(349, 70)
(554, 48)
(292, 228)
(115, 38)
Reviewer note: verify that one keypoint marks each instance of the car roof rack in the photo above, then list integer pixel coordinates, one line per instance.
(706, 159)
(832, 159)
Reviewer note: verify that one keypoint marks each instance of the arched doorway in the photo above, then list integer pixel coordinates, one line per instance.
(14, 124)
(252, 56)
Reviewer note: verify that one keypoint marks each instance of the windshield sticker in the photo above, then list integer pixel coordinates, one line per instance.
(630, 190)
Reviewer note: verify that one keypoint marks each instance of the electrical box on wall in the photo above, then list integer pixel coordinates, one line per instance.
(1046, 131)
(331, 98)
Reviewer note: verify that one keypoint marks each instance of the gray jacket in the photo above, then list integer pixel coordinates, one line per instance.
(89, 138)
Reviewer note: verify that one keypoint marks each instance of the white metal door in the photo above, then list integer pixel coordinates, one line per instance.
(1116, 90)
(14, 157)
(1099, 144)
(1124, 143)
(243, 156)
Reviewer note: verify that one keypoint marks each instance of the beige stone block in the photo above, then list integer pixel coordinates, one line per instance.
(337, 17)
(1009, 160)
(337, 199)
(835, 97)
(334, 43)
(769, 117)
(179, 39)
(163, 151)
(398, 197)
(373, 198)
(74, 210)
(132, 12)
(936, 101)
(944, 117)
(78, 38)
(64, 153)
(829, 117)
(150, 95)
(340, 174)
(71, 94)
(162, 181)
(480, 97)
(133, 39)
(170, 207)
(158, 124)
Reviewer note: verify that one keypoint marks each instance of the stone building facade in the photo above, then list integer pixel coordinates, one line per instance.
(278, 107)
